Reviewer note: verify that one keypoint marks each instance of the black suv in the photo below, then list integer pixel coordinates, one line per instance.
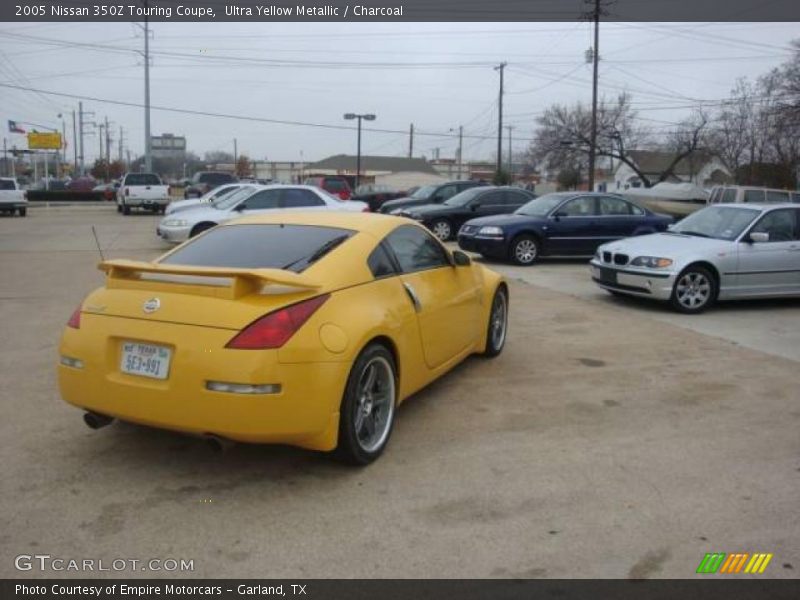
(205, 181)
(429, 194)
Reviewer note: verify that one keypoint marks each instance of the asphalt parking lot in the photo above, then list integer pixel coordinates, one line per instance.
(610, 439)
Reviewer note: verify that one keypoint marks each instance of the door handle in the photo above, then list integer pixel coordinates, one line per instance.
(413, 295)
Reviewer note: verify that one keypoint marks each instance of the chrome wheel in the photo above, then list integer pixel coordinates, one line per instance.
(693, 290)
(526, 251)
(498, 321)
(442, 230)
(375, 400)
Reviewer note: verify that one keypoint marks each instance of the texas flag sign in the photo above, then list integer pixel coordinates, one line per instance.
(14, 128)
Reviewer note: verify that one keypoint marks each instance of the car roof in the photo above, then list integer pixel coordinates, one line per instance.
(762, 206)
(377, 224)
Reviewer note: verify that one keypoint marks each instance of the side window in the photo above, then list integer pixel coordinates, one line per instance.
(380, 264)
(447, 192)
(293, 198)
(578, 207)
(729, 195)
(796, 197)
(415, 249)
(777, 197)
(262, 200)
(613, 206)
(754, 195)
(515, 199)
(779, 224)
(715, 194)
(490, 199)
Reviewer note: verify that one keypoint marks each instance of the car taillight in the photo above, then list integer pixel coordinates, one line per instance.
(75, 319)
(276, 328)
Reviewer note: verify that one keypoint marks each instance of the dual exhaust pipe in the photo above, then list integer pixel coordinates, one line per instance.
(218, 444)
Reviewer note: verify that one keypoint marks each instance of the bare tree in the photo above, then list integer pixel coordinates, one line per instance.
(685, 141)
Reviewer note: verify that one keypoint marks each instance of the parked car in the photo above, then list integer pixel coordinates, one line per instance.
(722, 252)
(429, 194)
(306, 329)
(375, 194)
(205, 181)
(255, 199)
(109, 190)
(338, 186)
(728, 194)
(84, 183)
(142, 190)
(445, 219)
(216, 193)
(559, 224)
(12, 198)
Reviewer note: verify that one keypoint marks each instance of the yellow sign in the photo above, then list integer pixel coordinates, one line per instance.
(44, 141)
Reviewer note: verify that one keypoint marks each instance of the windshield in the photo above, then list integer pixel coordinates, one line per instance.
(229, 200)
(463, 198)
(289, 247)
(541, 206)
(424, 192)
(719, 222)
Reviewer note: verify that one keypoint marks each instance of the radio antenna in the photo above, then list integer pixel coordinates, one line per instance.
(96, 241)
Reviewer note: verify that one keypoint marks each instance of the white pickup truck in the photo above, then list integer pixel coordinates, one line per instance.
(142, 190)
(12, 199)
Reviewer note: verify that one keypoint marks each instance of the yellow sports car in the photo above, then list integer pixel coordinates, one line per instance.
(303, 329)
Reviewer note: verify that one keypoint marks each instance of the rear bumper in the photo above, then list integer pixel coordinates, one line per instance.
(304, 413)
(8, 206)
(145, 202)
(639, 282)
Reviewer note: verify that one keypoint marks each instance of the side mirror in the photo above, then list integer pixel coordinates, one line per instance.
(460, 259)
(475, 206)
(671, 226)
(559, 214)
(758, 237)
(240, 207)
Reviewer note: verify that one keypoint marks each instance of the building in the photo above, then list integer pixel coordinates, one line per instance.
(168, 145)
(701, 168)
(396, 172)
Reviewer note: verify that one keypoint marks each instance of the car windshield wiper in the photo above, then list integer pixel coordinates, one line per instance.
(694, 233)
(319, 252)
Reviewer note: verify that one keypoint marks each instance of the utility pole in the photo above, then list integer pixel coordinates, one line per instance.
(235, 153)
(74, 144)
(5, 159)
(148, 160)
(82, 124)
(501, 67)
(460, 148)
(595, 59)
(108, 142)
(411, 141)
(100, 139)
(510, 156)
(121, 134)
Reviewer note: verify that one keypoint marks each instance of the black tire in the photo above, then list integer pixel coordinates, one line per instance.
(200, 228)
(119, 208)
(524, 250)
(22, 211)
(126, 210)
(442, 229)
(352, 448)
(497, 326)
(695, 290)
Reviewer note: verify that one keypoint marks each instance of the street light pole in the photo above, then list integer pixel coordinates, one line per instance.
(365, 117)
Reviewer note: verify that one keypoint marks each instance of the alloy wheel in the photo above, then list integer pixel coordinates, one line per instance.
(442, 230)
(693, 290)
(525, 251)
(375, 404)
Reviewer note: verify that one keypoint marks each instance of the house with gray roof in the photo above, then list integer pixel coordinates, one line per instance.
(398, 172)
(701, 168)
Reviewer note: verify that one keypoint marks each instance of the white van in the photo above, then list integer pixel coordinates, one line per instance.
(730, 194)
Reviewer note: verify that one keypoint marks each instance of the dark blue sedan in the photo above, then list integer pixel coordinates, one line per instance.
(563, 224)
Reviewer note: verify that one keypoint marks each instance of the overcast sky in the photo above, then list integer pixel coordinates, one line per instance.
(435, 75)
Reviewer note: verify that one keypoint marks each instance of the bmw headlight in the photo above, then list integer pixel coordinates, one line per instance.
(651, 262)
(490, 231)
(175, 223)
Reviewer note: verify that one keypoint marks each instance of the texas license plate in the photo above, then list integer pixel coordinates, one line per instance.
(146, 360)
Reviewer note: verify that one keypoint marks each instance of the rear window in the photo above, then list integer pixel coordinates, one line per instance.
(215, 178)
(142, 179)
(335, 185)
(258, 246)
(7, 184)
(775, 197)
(729, 195)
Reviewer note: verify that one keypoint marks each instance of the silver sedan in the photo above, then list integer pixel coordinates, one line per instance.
(723, 252)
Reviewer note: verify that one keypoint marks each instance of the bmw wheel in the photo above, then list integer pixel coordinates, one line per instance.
(368, 406)
(498, 324)
(524, 250)
(695, 290)
(442, 229)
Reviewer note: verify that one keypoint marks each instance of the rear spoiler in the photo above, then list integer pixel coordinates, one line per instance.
(245, 281)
